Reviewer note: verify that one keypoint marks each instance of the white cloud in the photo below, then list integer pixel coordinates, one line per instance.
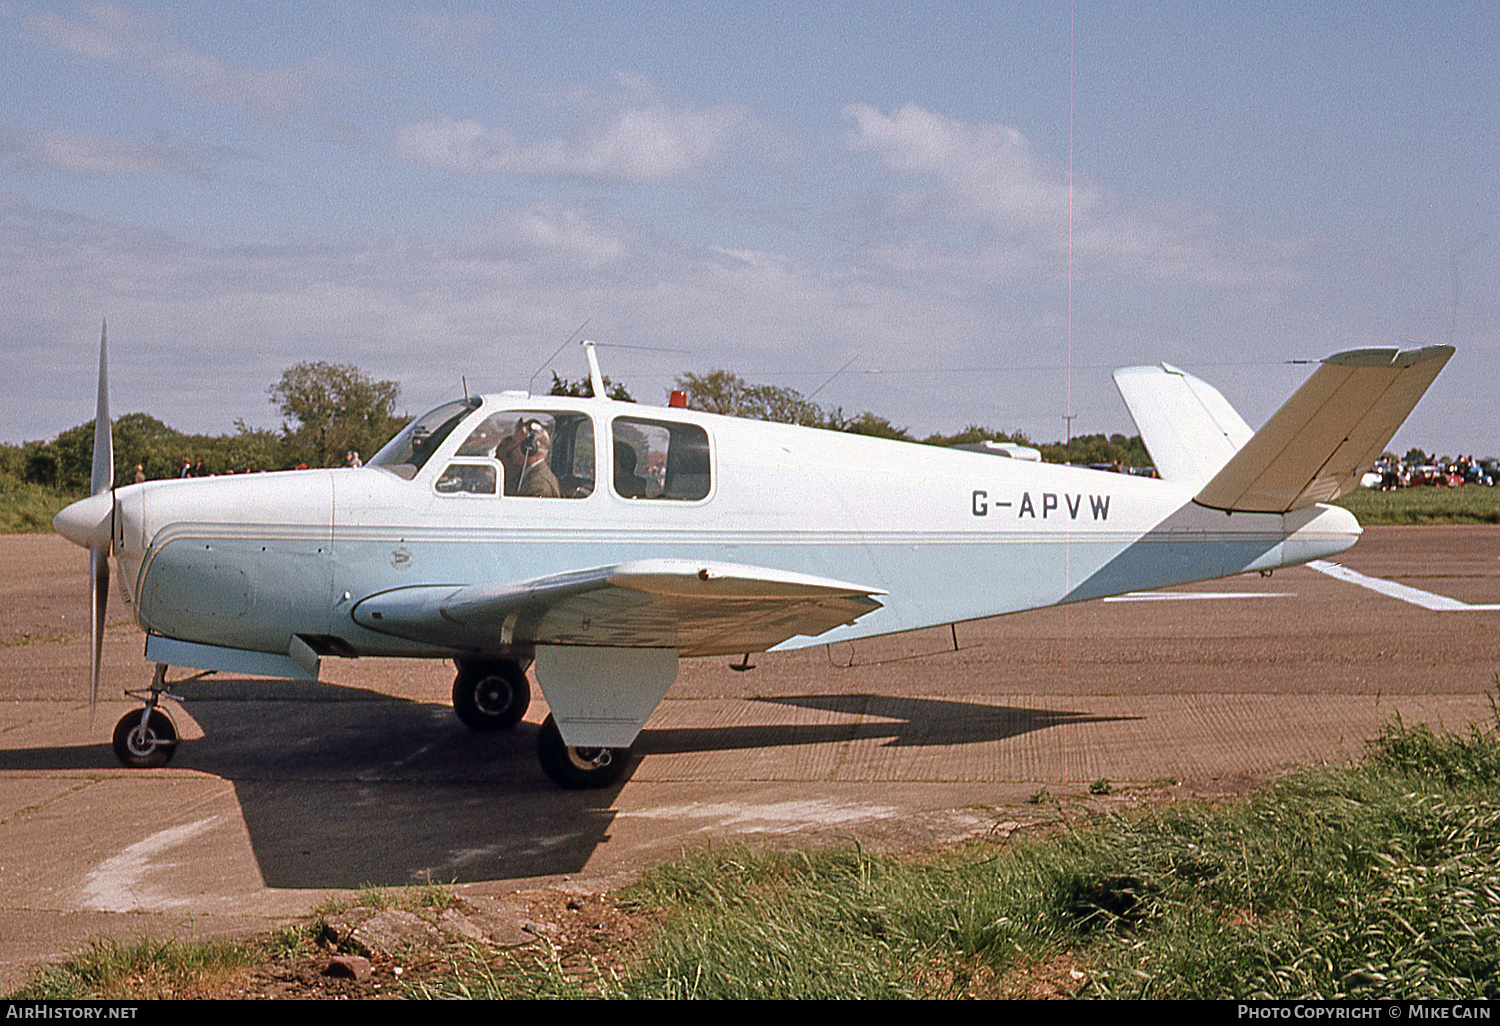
(990, 176)
(61, 150)
(637, 144)
(559, 235)
(490, 305)
(987, 172)
(199, 331)
(141, 42)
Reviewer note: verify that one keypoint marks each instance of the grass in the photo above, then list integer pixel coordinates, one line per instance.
(143, 969)
(416, 898)
(1378, 881)
(149, 969)
(28, 508)
(1471, 504)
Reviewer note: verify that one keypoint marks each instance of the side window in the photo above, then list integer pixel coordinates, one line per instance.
(659, 460)
(545, 455)
(472, 478)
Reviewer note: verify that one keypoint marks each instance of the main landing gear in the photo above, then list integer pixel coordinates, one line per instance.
(578, 768)
(490, 695)
(493, 695)
(147, 739)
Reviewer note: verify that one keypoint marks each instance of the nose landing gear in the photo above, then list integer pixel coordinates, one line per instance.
(147, 739)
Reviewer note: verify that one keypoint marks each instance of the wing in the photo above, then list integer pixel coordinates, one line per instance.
(1316, 446)
(697, 607)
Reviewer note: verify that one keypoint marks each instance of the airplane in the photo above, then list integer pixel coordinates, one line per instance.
(597, 542)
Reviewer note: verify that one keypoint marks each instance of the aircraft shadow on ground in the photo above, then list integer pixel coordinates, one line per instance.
(343, 788)
(903, 722)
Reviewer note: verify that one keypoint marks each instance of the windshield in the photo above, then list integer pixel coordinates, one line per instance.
(405, 454)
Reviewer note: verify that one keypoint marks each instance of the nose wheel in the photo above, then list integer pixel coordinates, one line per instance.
(148, 738)
(145, 745)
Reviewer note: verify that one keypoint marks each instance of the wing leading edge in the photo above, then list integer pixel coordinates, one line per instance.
(698, 607)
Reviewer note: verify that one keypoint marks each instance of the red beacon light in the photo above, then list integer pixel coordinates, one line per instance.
(678, 399)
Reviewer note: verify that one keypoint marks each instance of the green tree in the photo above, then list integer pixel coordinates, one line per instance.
(583, 388)
(976, 433)
(12, 462)
(142, 439)
(720, 391)
(1086, 449)
(39, 464)
(867, 423)
(332, 409)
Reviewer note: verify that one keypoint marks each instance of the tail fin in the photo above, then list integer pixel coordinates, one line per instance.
(1314, 448)
(1189, 429)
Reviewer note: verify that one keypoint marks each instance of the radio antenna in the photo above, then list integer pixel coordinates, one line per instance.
(829, 380)
(596, 379)
(559, 349)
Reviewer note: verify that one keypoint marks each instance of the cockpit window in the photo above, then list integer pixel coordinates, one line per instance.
(405, 454)
(546, 454)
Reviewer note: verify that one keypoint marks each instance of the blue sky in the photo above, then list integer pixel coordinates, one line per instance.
(775, 188)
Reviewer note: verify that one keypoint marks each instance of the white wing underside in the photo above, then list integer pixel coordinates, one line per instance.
(698, 607)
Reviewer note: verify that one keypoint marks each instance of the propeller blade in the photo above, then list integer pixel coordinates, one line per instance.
(103, 477)
(101, 480)
(99, 602)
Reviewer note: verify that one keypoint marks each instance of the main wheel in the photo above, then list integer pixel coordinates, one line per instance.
(576, 768)
(490, 696)
(145, 747)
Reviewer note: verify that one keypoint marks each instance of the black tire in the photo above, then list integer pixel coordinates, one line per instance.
(149, 748)
(490, 696)
(577, 768)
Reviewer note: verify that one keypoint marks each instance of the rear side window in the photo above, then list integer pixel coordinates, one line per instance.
(660, 460)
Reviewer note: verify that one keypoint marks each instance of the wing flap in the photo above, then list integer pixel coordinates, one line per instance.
(698, 607)
(1315, 447)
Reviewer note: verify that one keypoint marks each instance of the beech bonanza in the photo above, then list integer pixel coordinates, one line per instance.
(599, 542)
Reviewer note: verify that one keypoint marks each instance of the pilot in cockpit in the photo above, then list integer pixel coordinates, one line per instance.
(524, 454)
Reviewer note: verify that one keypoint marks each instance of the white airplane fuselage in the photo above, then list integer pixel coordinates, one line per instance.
(251, 562)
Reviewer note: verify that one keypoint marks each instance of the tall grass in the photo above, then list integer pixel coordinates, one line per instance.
(1379, 880)
(28, 508)
(142, 969)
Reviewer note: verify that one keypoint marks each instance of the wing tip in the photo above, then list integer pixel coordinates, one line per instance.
(1390, 356)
